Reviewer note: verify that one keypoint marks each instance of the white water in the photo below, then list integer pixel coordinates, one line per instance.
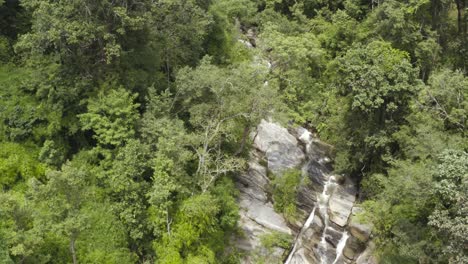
(323, 207)
(340, 246)
(322, 203)
(304, 228)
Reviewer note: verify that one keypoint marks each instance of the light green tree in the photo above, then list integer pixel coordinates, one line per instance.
(59, 204)
(111, 116)
(451, 216)
(230, 97)
(445, 97)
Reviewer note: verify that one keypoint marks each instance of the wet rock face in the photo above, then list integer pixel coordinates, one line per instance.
(326, 236)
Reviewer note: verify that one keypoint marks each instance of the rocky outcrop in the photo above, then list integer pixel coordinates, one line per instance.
(367, 256)
(281, 149)
(359, 230)
(326, 230)
(341, 203)
(275, 151)
(257, 216)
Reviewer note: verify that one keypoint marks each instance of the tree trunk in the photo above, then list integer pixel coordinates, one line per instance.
(460, 6)
(72, 249)
(244, 139)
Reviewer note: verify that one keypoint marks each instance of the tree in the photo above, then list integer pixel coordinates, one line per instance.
(18, 164)
(82, 33)
(127, 180)
(21, 242)
(191, 235)
(59, 204)
(297, 60)
(180, 27)
(111, 116)
(105, 239)
(378, 82)
(398, 205)
(451, 216)
(162, 196)
(230, 97)
(445, 97)
(285, 192)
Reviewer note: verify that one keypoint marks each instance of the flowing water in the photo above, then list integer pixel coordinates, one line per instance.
(340, 246)
(322, 205)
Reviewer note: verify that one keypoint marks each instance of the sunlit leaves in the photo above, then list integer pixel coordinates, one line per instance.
(111, 116)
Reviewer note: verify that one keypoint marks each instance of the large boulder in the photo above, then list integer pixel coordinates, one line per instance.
(281, 149)
(359, 230)
(353, 247)
(341, 203)
(367, 257)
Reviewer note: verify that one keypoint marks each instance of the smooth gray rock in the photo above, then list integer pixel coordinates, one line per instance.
(280, 147)
(367, 256)
(359, 230)
(352, 248)
(333, 236)
(341, 203)
(257, 216)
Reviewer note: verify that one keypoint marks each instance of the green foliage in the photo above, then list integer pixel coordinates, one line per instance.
(378, 82)
(298, 59)
(181, 26)
(162, 195)
(400, 205)
(230, 97)
(450, 217)
(105, 239)
(189, 236)
(155, 102)
(285, 188)
(5, 49)
(84, 33)
(60, 202)
(18, 164)
(446, 97)
(276, 239)
(16, 226)
(377, 76)
(111, 116)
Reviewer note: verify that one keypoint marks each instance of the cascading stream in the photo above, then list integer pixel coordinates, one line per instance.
(326, 206)
(340, 246)
(323, 207)
(322, 204)
(304, 228)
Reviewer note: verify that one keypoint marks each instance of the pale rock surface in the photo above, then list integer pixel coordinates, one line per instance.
(280, 147)
(341, 204)
(276, 150)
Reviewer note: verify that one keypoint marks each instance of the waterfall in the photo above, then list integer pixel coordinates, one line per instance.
(303, 229)
(340, 246)
(322, 203)
(323, 207)
(306, 225)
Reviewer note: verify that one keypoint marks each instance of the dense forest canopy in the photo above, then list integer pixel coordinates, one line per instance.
(122, 122)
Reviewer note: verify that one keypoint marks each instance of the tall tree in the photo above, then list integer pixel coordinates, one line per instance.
(59, 204)
(378, 82)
